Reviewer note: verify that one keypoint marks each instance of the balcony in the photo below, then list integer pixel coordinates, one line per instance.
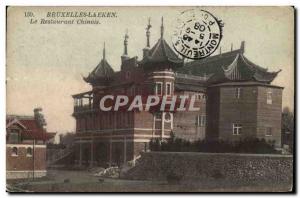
(83, 102)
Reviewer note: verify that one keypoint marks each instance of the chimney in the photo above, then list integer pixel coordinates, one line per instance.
(39, 118)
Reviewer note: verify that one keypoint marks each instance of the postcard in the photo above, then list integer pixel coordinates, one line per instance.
(150, 99)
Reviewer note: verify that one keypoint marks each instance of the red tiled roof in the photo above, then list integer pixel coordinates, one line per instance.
(32, 129)
(37, 135)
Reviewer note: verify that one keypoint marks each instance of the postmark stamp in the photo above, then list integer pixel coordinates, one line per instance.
(197, 34)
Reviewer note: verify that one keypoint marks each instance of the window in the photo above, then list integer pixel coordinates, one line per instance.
(158, 116)
(269, 131)
(158, 88)
(14, 151)
(14, 136)
(168, 117)
(29, 152)
(128, 118)
(168, 88)
(269, 96)
(237, 92)
(132, 91)
(127, 74)
(200, 120)
(199, 96)
(236, 129)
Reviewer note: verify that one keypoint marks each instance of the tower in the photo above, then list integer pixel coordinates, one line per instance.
(159, 64)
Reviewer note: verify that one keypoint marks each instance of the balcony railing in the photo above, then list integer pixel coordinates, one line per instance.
(83, 108)
(83, 102)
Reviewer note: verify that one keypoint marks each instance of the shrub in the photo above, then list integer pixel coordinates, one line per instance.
(247, 145)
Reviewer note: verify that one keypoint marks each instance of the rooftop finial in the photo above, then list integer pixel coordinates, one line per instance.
(104, 51)
(242, 46)
(126, 42)
(148, 32)
(162, 27)
(220, 50)
(231, 46)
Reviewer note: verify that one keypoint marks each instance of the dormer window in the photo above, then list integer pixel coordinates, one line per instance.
(13, 136)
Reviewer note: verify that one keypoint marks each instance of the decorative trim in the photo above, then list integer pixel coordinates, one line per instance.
(164, 72)
(162, 77)
(25, 145)
(25, 171)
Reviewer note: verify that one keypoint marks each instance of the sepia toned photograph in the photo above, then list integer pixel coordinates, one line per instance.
(150, 99)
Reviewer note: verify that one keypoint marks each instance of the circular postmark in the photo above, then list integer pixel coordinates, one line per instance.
(197, 34)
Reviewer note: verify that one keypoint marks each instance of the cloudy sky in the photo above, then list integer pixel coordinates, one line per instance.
(45, 63)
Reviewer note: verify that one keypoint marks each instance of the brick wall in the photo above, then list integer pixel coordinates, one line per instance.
(240, 110)
(23, 162)
(269, 115)
(22, 165)
(250, 110)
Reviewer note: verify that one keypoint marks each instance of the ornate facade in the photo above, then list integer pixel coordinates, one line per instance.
(235, 97)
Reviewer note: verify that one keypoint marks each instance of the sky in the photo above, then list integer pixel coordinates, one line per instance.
(46, 62)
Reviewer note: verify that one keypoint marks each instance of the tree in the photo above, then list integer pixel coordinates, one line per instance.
(287, 128)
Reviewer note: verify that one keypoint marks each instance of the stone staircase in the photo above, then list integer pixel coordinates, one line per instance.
(59, 155)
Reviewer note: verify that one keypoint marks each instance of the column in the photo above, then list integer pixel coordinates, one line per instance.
(162, 125)
(153, 126)
(92, 152)
(80, 153)
(110, 151)
(125, 149)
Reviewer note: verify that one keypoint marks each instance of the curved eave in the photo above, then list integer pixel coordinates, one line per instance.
(268, 77)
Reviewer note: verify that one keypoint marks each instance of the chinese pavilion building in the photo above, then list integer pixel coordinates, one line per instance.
(235, 97)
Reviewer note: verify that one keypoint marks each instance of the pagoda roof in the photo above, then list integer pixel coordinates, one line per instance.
(103, 71)
(161, 52)
(230, 66)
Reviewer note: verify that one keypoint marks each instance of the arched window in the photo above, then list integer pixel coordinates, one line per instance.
(14, 151)
(167, 117)
(29, 151)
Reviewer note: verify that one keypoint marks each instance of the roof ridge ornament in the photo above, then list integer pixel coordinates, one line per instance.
(126, 37)
(162, 27)
(103, 51)
(242, 48)
(148, 33)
